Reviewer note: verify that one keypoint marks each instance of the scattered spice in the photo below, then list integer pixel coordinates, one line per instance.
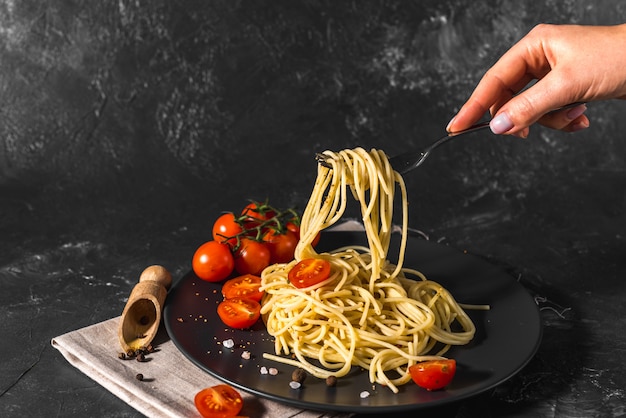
(331, 381)
(139, 376)
(121, 356)
(141, 357)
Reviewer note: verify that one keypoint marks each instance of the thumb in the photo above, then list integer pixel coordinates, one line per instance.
(527, 107)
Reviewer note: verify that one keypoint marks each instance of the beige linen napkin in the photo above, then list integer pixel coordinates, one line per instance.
(170, 379)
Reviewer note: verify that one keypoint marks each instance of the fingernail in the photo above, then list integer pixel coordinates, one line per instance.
(450, 124)
(500, 124)
(579, 126)
(575, 112)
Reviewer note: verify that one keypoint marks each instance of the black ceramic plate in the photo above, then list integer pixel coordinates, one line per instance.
(507, 336)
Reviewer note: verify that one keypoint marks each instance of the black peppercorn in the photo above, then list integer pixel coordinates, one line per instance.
(141, 357)
(121, 356)
(298, 375)
(139, 377)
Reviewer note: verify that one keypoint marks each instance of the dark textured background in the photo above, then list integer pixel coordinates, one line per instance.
(126, 127)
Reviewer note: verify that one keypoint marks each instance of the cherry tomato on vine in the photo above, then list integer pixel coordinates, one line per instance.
(251, 257)
(433, 374)
(309, 272)
(246, 286)
(296, 230)
(258, 212)
(281, 245)
(213, 261)
(225, 226)
(239, 313)
(220, 401)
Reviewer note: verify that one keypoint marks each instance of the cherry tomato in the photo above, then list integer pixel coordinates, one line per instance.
(251, 257)
(296, 230)
(246, 286)
(213, 261)
(258, 211)
(281, 245)
(226, 226)
(309, 272)
(220, 401)
(433, 374)
(239, 313)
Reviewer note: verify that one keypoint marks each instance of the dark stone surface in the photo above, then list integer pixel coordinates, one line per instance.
(126, 127)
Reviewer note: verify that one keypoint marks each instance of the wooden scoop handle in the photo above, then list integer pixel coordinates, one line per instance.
(141, 317)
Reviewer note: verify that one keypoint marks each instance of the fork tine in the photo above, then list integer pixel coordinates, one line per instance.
(322, 159)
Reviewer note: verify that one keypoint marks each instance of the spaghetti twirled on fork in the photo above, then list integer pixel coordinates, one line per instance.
(368, 313)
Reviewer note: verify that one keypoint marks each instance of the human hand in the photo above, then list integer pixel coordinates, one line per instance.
(570, 63)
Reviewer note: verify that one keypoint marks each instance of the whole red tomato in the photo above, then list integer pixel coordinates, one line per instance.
(251, 257)
(258, 212)
(296, 230)
(281, 245)
(224, 227)
(213, 261)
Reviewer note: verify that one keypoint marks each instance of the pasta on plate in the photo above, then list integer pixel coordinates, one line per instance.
(369, 313)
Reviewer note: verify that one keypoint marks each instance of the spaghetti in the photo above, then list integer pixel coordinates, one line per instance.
(369, 313)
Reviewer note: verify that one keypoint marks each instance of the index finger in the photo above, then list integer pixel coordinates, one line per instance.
(511, 73)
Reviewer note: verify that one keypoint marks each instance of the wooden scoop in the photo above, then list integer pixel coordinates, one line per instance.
(142, 314)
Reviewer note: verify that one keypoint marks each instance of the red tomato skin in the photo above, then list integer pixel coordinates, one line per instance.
(433, 374)
(281, 246)
(219, 401)
(239, 313)
(296, 230)
(256, 213)
(245, 286)
(213, 261)
(226, 226)
(309, 272)
(251, 257)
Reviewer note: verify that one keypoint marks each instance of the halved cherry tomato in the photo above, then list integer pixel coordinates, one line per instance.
(225, 226)
(433, 374)
(220, 401)
(246, 286)
(281, 245)
(251, 257)
(239, 313)
(213, 261)
(258, 211)
(309, 272)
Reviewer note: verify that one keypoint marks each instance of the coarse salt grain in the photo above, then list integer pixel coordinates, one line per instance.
(245, 355)
(273, 371)
(294, 385)
(364, 394)
(263, 370)
(228, 343)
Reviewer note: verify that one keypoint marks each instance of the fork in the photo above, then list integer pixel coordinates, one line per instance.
(406, 162)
